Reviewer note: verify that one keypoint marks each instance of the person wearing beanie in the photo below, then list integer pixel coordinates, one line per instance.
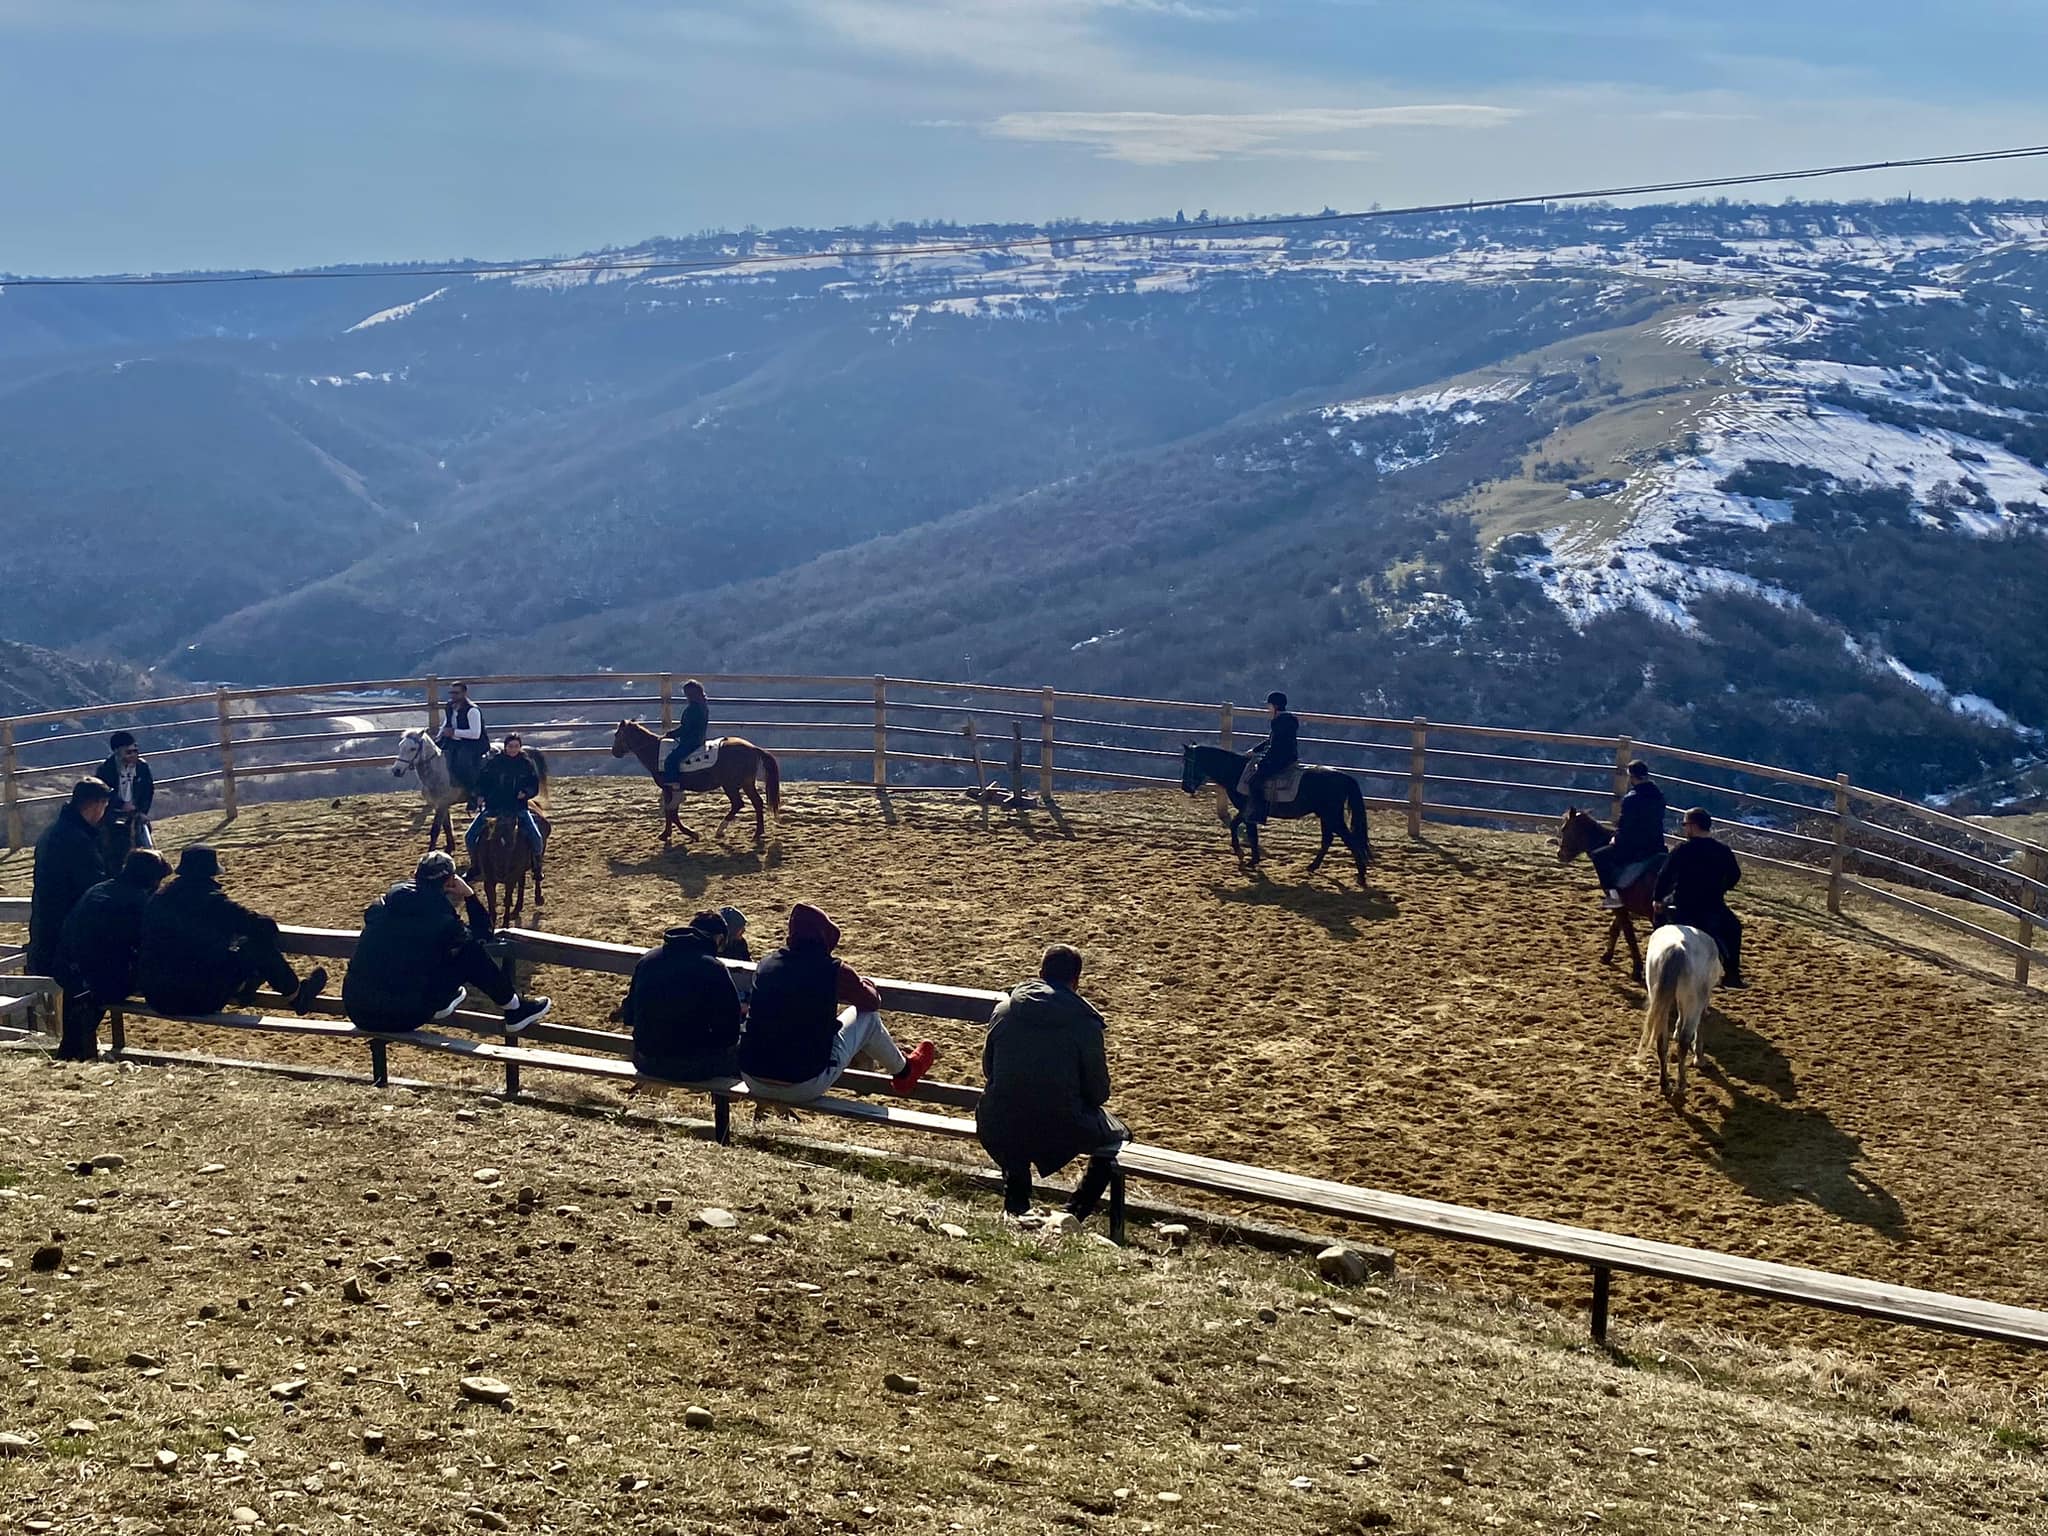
(683, 1008)
(67, 865)
(421, 950)
(128, 776)
(734, 946)
(202, 950)
(794, 1046)
(96, 953)
(1272, 757)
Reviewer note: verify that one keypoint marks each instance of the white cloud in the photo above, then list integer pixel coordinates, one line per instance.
(1181, 138)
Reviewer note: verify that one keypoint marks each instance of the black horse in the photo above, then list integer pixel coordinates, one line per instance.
(1331, 797)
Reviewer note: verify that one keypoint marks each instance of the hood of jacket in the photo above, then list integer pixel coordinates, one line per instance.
(688, 941)
(809, 926)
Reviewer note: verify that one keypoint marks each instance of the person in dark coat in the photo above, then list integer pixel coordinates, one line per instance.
(683, 1008)
(506, 784)
(1693, 889)
(734, 945)
(127, 774)
(96, 953)
(795, 1046)
(421, 950)
(67, 865)
(1638, 834)
(692, 730)
(201, 950)
(1046, 1082)
(1280, 751)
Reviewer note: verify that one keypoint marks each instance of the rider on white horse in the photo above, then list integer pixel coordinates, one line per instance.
(1693, 889)
(462, 736)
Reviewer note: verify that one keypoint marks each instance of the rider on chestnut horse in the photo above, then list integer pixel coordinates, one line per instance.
(507, 784)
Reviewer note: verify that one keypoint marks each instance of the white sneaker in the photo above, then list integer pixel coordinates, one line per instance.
(461, 996)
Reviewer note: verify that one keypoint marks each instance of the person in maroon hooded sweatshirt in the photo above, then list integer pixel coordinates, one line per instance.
(795, 1047)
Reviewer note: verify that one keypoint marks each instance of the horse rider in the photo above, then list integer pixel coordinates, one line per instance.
(134, 786)
(1272, 757)
(1693, 889)
(506, 784)
(1638, 836)
(462, 737)
(691, 732)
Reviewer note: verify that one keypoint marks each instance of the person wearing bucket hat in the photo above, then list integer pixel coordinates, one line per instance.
(202, 950)
(421, 951)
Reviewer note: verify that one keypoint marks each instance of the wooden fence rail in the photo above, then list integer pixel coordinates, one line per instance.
(901, 728)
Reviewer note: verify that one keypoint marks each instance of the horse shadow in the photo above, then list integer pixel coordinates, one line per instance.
(1340, 912)
(693, 871)
(1458, 861)
(1786, 1154)
(1741, 1052)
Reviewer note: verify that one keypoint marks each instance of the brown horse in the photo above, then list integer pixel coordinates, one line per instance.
(739, 763)
(504, 859)
(1579, 833)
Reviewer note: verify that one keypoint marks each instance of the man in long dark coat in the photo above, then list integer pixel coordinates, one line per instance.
(67, 865)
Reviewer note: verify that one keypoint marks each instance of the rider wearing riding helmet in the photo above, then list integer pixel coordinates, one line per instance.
(691, 730)
(1272, 757)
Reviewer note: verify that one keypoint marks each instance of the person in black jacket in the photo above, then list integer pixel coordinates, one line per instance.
(506, 784)
(693, 729)
(1046, 1081)
(1280, 751)
(1638, 834)
(1693, 889)
(127, 774)
(421, 950)
(201, 950)
(734, 946)
(96, 953)
(67, 865)
(683, 1008)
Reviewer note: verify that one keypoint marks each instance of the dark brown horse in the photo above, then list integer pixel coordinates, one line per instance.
(739, 764)
(504, 859)
(1579, 833)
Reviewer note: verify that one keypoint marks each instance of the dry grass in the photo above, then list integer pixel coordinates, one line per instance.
(1062, 1385)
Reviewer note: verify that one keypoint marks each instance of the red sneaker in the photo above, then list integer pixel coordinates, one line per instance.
(915, 1065)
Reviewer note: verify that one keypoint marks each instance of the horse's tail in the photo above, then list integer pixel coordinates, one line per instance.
(540, 768)
(1354, 816)
(771, 770)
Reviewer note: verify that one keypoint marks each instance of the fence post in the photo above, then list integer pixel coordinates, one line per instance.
(1838, 861)
(2031, 865)
(881, 732)
(668, 702)
(1226, 728)
(1624, 750)
(1017, 761)
(974, 747)
(433, 705)
(1418, 743)
(1046, 709)
(8, 790)
(227, 755)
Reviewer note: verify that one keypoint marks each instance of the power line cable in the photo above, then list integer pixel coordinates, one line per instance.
(1034, 242)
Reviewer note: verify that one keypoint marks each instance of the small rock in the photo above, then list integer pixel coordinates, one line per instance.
(167, 1461)
(84, 1363)
(1174, 1234)
(631, 1482)
(487, 1176)
(110, 1162)
(373, 1442)
(1343, 1266)
(46, 1258)
(465, 1115)
(910, 1386)
(485, 1389)
(244, 1515)
(1301, 1484)
(717, 1219)
(952, 1229)
(695, 1417)
(1060, 1221)
(353, 1289)
(1268, 1315)
(289, 1391)
(81, 1427)
(234, 1455)
(1365, 1461)
(231, 1371)
(207, 1168)
(85, 1207)
(1166, 1498)
(142, 1361)
(568, 1210)
(440, 1258)
(664, 1204)
(489, 1519)
(12, 1444)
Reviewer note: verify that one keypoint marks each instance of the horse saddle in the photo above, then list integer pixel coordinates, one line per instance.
(1637, 869)
(703, 759)
(1279, 789)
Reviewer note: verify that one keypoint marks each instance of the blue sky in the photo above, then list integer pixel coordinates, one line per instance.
(162, 134)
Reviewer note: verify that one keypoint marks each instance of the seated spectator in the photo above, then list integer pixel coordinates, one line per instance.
(201, 950)
(1046, 1080)
(422, 949)
(96, 952)
(734, 946)
(794, 1047)
(67, 865)
(683, 1008)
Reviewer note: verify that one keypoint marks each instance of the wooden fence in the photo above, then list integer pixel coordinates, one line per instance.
(911, 733)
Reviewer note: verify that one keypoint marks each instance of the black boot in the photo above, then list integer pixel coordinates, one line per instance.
(1016, 1191)
(1088, 1193)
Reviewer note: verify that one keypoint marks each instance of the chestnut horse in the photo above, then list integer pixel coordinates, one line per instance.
(739, 761)
(1579, 833)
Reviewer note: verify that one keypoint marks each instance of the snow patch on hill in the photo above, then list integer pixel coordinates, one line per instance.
(396, 312)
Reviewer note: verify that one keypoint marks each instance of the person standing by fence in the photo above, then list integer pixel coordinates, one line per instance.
(67, 865)
(462, 736)
(127, 774)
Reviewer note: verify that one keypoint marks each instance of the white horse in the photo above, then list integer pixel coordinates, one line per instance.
(418, 751)
(1682, 966)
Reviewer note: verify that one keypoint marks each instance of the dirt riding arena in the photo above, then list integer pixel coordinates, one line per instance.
(1447, 1033)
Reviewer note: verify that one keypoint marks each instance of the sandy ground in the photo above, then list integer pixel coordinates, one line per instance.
(1447, 1033)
